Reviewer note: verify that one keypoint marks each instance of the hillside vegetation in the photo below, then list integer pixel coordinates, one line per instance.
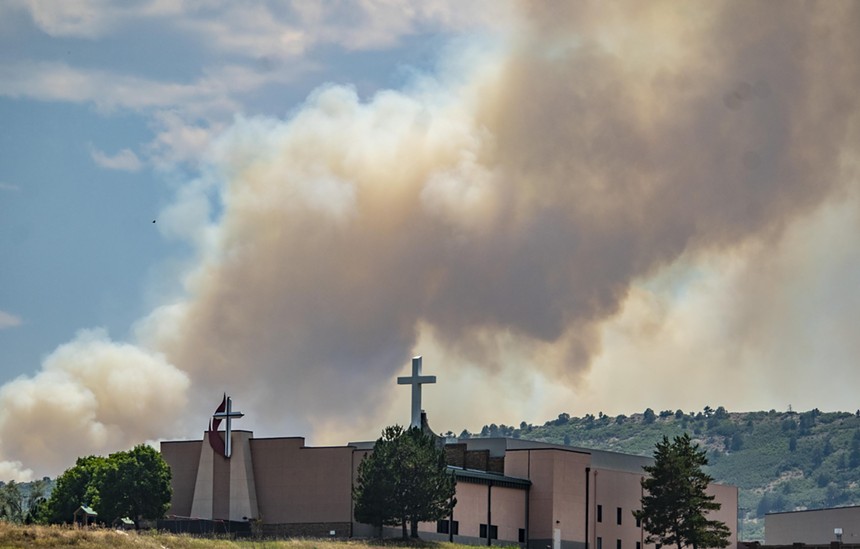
(780, 461)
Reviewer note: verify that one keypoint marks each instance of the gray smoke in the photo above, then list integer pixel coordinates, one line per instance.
(609, 193)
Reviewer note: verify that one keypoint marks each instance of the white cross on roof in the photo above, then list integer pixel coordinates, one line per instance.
(228, 414)
(416, 380)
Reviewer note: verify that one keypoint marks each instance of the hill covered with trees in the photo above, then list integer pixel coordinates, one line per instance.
(780, 461)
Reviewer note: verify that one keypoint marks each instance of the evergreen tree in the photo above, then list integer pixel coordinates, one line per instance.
(375, 485)
(675, 504)
(404, 481)
(649, 416)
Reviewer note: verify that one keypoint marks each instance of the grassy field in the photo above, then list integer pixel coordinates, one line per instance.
(15, 536)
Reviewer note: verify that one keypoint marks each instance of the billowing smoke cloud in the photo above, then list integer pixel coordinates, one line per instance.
(509, 215)
(522, 203)
(91, 396)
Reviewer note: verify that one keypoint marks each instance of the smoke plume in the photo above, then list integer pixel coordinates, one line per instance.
(92, 395)
(531, 216)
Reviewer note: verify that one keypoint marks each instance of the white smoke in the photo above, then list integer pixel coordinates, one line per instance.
(92, 395)
(615, 198)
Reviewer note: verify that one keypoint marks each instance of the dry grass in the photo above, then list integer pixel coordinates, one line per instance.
(15, 536)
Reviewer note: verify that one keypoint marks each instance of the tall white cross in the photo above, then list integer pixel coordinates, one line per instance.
(416, 380)
(228, 414)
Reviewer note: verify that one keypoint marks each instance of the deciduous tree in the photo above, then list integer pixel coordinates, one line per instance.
(11, 502)
(133, 484)
(75, 487)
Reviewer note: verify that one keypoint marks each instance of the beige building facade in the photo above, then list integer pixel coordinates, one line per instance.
(509, 491)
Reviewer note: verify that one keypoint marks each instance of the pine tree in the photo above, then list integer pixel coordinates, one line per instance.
(376, 483)
(675, 504)
(404, 481)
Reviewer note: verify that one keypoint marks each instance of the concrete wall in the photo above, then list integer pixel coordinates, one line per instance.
(183, 458)
(507, 513)
(557, 494)
(611, 491)
(727, 496)
(297, 485)
(812, 527)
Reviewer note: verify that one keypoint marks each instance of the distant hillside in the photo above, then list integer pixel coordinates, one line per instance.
(780, 461)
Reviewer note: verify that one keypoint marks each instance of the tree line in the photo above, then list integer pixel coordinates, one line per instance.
(132, 484)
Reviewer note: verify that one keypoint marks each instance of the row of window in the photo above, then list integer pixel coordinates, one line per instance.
(617, 544)
(617, 516)
(453, 527)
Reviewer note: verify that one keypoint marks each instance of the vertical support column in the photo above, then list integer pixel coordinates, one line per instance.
(489, 512)
(204, 490)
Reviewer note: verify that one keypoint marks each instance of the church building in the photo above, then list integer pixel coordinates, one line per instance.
(509, 491)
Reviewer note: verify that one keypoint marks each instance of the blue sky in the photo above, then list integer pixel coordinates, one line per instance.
(83, 173)
(562, 207)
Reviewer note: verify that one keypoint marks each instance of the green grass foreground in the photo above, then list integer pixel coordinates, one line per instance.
(18, 536)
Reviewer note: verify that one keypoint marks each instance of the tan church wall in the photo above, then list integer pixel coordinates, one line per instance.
(302, 485)
(183, 457)
(614, 490)
(507, 511)
(557, 491)
(471, 508)
(727, 496)
(616, 494)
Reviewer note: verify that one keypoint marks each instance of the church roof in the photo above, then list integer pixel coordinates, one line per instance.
(473, 476)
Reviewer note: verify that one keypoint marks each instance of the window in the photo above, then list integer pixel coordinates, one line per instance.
(494, 531)
(448, 527)
(638, 545)
(638, 522)
(618, 544)
(599, 543)
(618, 515)
(522, 537)
(599, 513)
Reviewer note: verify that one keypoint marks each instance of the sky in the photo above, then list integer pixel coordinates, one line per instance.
(563, 207)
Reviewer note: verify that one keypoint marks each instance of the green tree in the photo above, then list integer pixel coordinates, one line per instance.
(649, 416)
(11, 502)
(133, 484)
(675, 505)
(375, 484)
(75, 487)
(35, 500)
(405, 480)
